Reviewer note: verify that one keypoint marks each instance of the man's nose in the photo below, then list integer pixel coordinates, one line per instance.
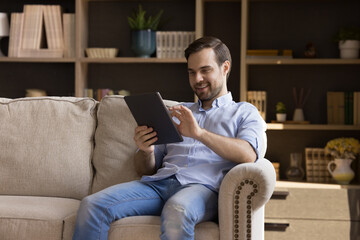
(199, 77)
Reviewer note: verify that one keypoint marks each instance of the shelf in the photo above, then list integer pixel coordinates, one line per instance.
(133, 60)
(281, 126)
(96, 60)
(290, 184)
(40, 60)
(303, 61)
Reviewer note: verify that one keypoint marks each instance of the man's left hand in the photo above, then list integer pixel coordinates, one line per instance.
(188, 125)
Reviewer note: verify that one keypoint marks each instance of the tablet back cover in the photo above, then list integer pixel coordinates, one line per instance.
(148, 109)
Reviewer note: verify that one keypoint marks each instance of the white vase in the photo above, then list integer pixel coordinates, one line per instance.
(342, 173)
(349, 49)
(298, 115)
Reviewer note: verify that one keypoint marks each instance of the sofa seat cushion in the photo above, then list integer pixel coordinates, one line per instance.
(46, 146)
(148, 228)
(26, 217)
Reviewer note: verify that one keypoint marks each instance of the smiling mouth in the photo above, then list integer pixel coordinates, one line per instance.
(201, 87)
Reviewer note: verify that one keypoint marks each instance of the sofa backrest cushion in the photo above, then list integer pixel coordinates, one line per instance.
(46, 146)
(114, 145)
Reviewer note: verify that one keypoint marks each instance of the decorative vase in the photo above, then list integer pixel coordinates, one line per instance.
(349, 49)
(143, 42)
(281, 117)
(298, 115)
(341, 171)
(295, 172)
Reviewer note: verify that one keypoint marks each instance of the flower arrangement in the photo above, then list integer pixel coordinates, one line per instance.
(346, 148)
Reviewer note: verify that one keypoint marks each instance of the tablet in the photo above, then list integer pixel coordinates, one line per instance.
(149, 109)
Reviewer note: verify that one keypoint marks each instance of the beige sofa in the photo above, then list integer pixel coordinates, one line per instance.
(54, 151)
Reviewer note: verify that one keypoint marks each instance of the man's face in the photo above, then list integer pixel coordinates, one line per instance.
(207, 79)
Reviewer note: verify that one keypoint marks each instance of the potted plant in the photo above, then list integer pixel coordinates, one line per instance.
(143, 32)
(280, 112)
(349, 42)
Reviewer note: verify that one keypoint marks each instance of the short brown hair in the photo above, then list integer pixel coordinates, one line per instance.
(222, 52)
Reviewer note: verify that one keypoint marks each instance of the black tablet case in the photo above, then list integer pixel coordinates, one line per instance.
(149, 109)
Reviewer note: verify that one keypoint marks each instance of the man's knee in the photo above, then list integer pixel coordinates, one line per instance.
(177, 222)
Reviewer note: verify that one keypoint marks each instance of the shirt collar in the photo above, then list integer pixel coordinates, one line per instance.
(220, 101)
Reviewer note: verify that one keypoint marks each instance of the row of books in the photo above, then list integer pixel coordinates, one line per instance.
(99, 93)
(171, 44)
(258, 99)
(269, 53)
(343, 108)
(27, 38)
(316, 162)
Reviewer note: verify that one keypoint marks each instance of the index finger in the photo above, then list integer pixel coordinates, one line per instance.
(140, 128)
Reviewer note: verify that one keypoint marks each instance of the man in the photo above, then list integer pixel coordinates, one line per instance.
(180, 181)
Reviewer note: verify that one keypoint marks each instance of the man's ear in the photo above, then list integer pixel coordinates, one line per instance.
(226, 67)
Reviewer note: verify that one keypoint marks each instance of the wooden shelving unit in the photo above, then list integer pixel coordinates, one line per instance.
(303, 61)
(322, 127)
(132, 60)
(277, 25)
(241, 24)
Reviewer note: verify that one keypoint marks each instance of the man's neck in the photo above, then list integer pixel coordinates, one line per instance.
(207, 104)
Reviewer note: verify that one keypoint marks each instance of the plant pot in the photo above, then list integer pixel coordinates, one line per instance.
(349, 49)
(281, 117)
(143, 42)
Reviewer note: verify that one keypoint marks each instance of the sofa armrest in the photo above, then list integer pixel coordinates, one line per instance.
(245, 190)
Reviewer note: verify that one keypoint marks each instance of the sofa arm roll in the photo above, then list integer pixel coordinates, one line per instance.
(245, 190)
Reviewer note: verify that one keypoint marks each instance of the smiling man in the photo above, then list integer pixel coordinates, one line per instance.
(180, 181)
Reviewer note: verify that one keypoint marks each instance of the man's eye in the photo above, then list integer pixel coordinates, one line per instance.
(191, 73)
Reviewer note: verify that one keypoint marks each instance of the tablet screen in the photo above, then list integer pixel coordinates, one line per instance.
(149, 109)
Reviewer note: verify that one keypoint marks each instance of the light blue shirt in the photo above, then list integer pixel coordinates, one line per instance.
(193, 162)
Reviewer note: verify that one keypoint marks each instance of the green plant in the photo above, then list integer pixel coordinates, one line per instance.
(280, 107)
(139, 21)
(347, 33)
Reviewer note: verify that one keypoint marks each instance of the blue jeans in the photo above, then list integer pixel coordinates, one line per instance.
(180, 208)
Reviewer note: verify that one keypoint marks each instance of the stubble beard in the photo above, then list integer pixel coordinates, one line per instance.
(210, 95)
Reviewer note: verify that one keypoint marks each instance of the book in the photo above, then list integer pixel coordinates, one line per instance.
(268, 53)
(42, 24)
(15, 35)
(259, 100)
(336, 107)
(69, 34)
(53, 26)
(316, 162)
(351, 108)
(356, 103)
(330, 107)
(172, 44)
(340, 107)
(32, 35)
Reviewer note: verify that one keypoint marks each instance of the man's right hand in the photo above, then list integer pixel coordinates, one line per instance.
(144, 138)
